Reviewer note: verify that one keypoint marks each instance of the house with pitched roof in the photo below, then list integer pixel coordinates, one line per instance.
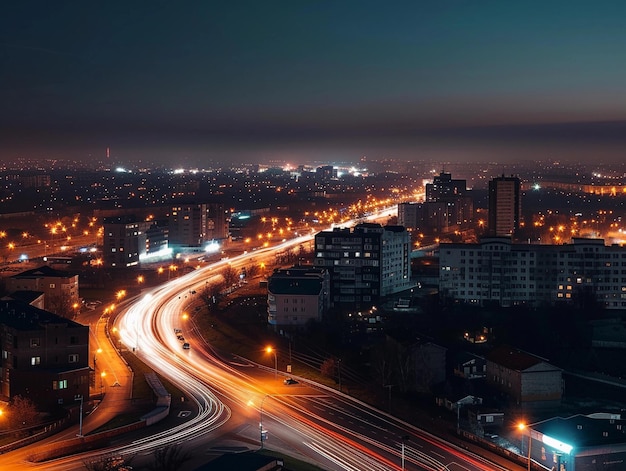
(524, 379)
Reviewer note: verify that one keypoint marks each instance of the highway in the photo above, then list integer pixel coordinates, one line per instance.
(238, 398)
(325, 427)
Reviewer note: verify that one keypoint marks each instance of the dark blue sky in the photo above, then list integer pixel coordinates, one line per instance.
(303, 80)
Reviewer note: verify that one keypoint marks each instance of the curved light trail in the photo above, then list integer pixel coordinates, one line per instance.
(325, 427)
(328, 440)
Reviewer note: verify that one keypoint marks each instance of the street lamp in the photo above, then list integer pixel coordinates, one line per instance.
(79, 397)
(98, 352)
(522, 427)
(271, 350)
(102, 375)
(263, 433)
(405, 439)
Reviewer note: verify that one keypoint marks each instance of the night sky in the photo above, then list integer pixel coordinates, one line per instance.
(190, 81)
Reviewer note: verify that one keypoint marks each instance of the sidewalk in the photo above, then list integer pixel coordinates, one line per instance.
(112, 389)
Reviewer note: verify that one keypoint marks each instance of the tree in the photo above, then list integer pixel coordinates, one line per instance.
(109, 463)
(211, 292)
(252, 270)
(61, 306)
(169, 458)
(21, 414)
(230, 275)
(331, 367)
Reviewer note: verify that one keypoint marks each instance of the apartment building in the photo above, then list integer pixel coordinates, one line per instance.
(45, 357)
(366, 262)
(495, 270)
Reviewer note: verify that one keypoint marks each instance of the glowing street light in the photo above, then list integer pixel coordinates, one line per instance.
(522, 427)
(272, 350)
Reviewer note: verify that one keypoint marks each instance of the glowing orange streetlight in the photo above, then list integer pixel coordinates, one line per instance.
(269, 349)
(522, 427)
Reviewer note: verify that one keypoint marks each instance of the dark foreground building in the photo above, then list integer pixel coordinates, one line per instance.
(44, 356)
(578, 443)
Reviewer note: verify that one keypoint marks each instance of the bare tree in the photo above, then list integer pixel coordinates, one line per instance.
(382, 364)
(329, 367)
(211, 293)
(61, 306)
(252, 270)
(109, 463)
(230, 275)
(169, 458)
(22, 414)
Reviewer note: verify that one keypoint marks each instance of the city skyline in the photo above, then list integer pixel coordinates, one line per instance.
(301, 81)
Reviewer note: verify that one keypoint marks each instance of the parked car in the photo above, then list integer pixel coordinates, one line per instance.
(186, 346)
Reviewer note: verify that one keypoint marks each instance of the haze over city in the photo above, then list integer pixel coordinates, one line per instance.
(301, 81)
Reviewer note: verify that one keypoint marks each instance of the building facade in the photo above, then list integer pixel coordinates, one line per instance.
(366, 262)
(505, 206)
(45, 357)
(59, 288)
(297, 295)
(495, 270)
(523, 378)
(448, 207)
(195, 224)
(124, 241)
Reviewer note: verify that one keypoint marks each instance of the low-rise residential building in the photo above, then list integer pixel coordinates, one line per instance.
(45, 357)
(470, 366)
(297, 295)
(525, 380)
(429, 364)
(59, 288)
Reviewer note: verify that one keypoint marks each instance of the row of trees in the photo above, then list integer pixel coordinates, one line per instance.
(168, 458)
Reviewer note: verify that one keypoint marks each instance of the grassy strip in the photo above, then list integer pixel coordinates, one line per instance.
(141, 391)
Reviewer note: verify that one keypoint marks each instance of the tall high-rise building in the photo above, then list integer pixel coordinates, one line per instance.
(124, 241)
(505, 206)
(191, 225)
(366, 262)
(444, 186)
(448, 207)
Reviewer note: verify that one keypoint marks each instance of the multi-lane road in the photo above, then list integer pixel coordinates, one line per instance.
(240, 399)
(320, 425)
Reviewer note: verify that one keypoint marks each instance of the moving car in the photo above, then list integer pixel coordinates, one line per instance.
(290, 381)
(186, 346)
